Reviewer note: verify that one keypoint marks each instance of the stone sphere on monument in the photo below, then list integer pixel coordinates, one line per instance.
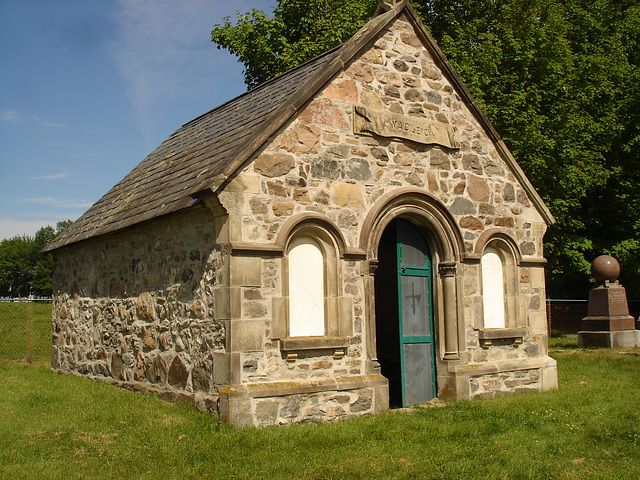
(605, 267)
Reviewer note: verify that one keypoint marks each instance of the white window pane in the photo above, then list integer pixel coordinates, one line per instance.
(492, 289)
(306, 288)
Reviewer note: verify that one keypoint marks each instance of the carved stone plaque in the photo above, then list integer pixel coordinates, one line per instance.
(385, 124)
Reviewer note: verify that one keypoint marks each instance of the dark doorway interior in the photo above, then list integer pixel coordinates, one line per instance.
(387, 334)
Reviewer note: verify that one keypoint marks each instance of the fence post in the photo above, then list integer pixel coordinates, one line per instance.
(29, 302)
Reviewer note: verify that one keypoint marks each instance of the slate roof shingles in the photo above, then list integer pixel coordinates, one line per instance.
(189, 159)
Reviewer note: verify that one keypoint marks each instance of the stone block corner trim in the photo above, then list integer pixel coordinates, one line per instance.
(390, 125)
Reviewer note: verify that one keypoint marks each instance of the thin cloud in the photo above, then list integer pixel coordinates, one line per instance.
(55, 176)
(59, 202)
(15, 116)
(10, 227)
(162, 49)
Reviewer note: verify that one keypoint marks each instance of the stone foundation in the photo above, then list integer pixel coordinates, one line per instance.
(502, 378)
(280, 403)
(201, 401)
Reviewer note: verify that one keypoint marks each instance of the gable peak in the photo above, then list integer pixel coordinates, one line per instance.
(386, 5)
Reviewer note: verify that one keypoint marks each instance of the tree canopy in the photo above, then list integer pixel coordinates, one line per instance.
(299, 31)
(24, 268)
(559, 79)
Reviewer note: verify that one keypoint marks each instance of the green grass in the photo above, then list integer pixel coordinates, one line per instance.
(14, 330)
(55, 426)
(564, 342)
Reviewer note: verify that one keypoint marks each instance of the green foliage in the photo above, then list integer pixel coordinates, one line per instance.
(62, 426)
(560, 81)
(299, 30)
(24, 268)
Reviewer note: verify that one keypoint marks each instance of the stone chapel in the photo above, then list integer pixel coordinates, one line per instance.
(350, 236)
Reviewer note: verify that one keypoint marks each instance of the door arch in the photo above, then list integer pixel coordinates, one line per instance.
(404, 314)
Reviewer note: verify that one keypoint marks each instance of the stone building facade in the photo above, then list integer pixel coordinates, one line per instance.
(350, 236)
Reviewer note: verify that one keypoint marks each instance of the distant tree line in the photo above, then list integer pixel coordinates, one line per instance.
(559, 79)
(24, 268)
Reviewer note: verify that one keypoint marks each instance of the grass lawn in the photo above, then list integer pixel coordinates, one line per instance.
(55, 426)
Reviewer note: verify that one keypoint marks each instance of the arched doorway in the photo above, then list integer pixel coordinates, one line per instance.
(404, 314)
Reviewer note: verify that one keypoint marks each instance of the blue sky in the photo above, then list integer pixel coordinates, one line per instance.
(88, 88)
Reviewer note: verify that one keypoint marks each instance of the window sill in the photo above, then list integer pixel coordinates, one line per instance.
(501, 336)
(292, 346)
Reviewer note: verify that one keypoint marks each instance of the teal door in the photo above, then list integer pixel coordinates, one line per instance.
(405, 330)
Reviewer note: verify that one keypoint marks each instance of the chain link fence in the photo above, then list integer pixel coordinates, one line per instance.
(25, 329)
(564, 316)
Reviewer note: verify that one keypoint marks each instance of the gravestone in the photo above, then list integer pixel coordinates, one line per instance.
(608, 323)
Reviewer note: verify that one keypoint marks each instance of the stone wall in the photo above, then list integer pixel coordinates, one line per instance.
(137, 307)
(318, 164)
(519, 381)
(282, 404)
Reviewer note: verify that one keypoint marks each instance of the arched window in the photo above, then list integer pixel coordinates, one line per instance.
(306, 288)
(493, 288)
(312, 313)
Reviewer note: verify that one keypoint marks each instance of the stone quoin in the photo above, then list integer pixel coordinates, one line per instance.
(294, 256)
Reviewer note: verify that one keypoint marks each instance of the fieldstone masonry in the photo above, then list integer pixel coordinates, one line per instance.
(193, 304)
(141, 313)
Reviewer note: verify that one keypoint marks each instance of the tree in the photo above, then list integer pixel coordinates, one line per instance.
(299, 31)
(24, 268)
(559, 79)
(16, 269)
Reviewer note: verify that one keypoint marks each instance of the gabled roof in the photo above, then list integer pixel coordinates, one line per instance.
(203, 155)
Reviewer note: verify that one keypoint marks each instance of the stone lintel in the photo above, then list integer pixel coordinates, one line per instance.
(280, 389)
(474, 257)
(533, 262)
(268, 249)
(277, 250)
